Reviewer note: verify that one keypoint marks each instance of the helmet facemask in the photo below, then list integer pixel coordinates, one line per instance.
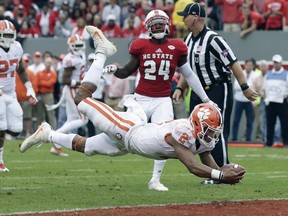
(7, 37)
(157, 24)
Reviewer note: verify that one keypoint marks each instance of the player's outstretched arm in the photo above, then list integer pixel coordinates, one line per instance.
(229, 176)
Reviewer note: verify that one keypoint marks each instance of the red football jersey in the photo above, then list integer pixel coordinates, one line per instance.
(158, 63)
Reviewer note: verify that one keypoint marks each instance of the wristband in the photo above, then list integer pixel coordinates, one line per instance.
(73, 83)
(244, 86)
(217, 175)
(179, 89)
(28, 85)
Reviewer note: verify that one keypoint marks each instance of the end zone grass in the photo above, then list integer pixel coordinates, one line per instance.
(40, 181)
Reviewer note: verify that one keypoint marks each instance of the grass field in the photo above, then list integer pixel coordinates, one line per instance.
(39, 181)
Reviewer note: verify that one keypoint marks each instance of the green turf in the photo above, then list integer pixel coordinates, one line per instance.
(39, 181)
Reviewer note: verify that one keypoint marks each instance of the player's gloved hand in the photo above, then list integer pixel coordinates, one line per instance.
(208, 101)
(30, 93)
(110, 69)
(232, 175)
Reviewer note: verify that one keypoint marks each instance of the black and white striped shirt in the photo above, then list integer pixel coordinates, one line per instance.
(209, 56)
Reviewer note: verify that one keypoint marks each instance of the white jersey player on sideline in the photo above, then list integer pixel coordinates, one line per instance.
(74, 68)
(11, 114)
(125, 132)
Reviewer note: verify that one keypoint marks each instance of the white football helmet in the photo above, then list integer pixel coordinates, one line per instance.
(7, 33)
(76, 44)
(157, 24)
(207, 124)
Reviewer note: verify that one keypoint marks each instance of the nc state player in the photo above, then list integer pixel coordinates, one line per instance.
(74, 66)
(11, 114)
(156, 59)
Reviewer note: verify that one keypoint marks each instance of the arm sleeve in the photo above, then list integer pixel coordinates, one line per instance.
(193, 81)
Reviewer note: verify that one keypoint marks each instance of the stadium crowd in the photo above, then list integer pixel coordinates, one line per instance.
(124, 19)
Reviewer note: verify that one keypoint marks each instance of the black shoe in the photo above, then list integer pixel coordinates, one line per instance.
(210, 181)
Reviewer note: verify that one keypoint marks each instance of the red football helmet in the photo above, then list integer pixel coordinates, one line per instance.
(207, 123)
(76, 44)
(7, 33)
(157, 24)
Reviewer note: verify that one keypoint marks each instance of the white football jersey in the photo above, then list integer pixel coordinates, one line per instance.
(149, 140)
(78, 62)
(8, 64)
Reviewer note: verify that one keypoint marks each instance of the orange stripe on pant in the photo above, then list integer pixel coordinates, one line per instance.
(109, 113)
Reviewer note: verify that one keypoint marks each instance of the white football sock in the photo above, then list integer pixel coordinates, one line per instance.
(64, 140)
(157, 170)
(95, 71)
(1, 155)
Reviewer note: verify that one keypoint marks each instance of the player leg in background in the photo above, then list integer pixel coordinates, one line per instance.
(74, 120)
(11, 117)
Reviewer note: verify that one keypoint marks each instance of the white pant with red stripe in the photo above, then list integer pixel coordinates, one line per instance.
(115, 125)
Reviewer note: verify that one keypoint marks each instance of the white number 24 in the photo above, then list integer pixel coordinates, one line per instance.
(151, 70)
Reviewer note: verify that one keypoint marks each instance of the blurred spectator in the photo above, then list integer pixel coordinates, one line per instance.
(213, 15)
(242, 103)
(19, 14)
(132, 16)
(146, 7)
(94, 9)
(83, 8)
(46, 81)
(62, 26)
(65, 6)
(53, 8)
(32, 15)
(177, 20)
(179, 108)
(230, 14)
(130, 31)
(250, 20)
(28, 31)
(97, 21)
(159, 4)
(89, 19)
(37, 65)
(80, 29)
(76, 14)
(285, 25)
(46, 22)
(169, 7)
(276, 99)
(8, 15)
(111, 29)
(274, 13)
(112, 8)
(125, 5)
(23, 99)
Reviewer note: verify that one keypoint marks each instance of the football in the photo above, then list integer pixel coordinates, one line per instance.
(236, 167)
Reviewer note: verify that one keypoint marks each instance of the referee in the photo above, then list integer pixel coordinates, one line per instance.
(212, 59)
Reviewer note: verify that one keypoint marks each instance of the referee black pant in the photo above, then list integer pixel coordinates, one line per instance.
(222, 95)
(272, 111)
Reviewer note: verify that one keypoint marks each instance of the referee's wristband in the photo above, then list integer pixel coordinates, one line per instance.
(179, 88)
(244, 86)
